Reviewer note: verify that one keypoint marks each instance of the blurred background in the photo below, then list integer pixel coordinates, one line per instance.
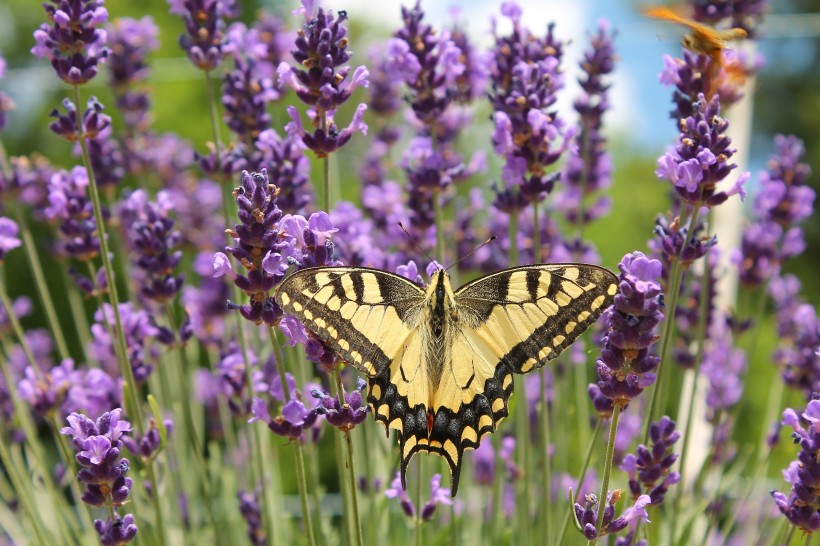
(785, 99)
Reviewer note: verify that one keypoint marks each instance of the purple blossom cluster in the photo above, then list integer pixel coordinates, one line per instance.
(73, 41)
(344, 416)
(438, 495)
(103, 472)
(322, 50)
(802, 505)
(525, 78)
(130, 41)
(783, 201)
(589, 166)
(649, 468)
(295, 420)
(586, 515)
(8, 236)
(139, 330)
(204, 38)
(252, 512)
(626, 365)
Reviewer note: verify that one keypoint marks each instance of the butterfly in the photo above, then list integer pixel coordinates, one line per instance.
(440, 363)
(703, 39)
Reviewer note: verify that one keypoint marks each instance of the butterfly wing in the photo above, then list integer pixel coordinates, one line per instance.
(364, 315)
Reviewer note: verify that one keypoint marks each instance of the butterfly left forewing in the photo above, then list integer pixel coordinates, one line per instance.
(364, 315)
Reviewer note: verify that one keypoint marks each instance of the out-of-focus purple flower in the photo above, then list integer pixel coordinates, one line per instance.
(251, 511)
(204, 39)
(8, 236)
(649, 469)
(745, 14)
(343, 416)
(98, 445)
(799, 329)
(69, 127)
(589, 165)
(800, 506)
(6, 102)
(138, 327)
(266, 42)
(321, 49)
(525, 77)
(701, 159)
(288, 169)
(245, 97)
(46, 390)
(438, 495)
(484, 458)
(785, 197)
(626, 365)
(383, 93)
(396, 491)
(148, 445)
(73, 41)
(724, 366)
(130, 41)
(472, 82)
(151, 235)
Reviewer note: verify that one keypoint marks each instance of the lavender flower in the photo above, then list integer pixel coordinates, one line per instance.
(69, 127)
(294, 420)
(138, 328)
(288, 169)
(150, 443)
(587, 515)
(8, 236)
(526, 77)
(205, 27)
(484, 463)
(649, 469)
(45, 391)
(701, 160)
(321, 48)
(251, 511)
(98, 445)
(438, 495)
(396, 491)
(259, 246)
(801, 506)
(626, 364)
(245, 96)
(589, 166)
(131, 40)
(343, 416)
(70, 204)
(6, 102)
(73, 42)
(152, 237)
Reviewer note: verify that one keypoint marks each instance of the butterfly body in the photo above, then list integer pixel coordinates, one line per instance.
(440, 362)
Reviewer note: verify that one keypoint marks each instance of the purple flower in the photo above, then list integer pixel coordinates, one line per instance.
(484, 459)
(321, 49)
(73, 41)
(130, 41)
(98, 445)
(117, 532)
(69, 127)
(587, 515)
(292, 422)
(139, 329)
(626, 364)
(205, 30)
(785, 197)
(800, 506)
(288, 169)
(8, 236)
(251, 511)
(589, 166)
(343, 416)
(649, 469)
(438, 495)
(45, 391)
(396, 491)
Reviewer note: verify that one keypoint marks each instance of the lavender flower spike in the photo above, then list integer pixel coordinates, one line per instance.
(343, 416)
(649, 469)
(801, 505)
(626, 366)
(8, 236)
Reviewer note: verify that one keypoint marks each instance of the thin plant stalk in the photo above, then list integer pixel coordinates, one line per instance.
(301, 479)
(546, 475)
(349, 467)
(587, 459)
(672, 297)
(36, 268)
(132, 396)
(703, 307)
(610, 453)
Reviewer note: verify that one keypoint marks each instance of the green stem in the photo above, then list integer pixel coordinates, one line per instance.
(610, 453)
(439, 216)
(587, 459)
(672, 297)
(349, 467)
(536, 235)
(546, 486)
(40, 284)
(703, 308)
(419, 488)
(135, 409)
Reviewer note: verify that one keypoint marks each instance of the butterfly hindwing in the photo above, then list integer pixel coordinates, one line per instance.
(364, 315)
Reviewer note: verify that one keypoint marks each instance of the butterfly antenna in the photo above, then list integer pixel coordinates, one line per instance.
(415, 243)
(473, 251)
